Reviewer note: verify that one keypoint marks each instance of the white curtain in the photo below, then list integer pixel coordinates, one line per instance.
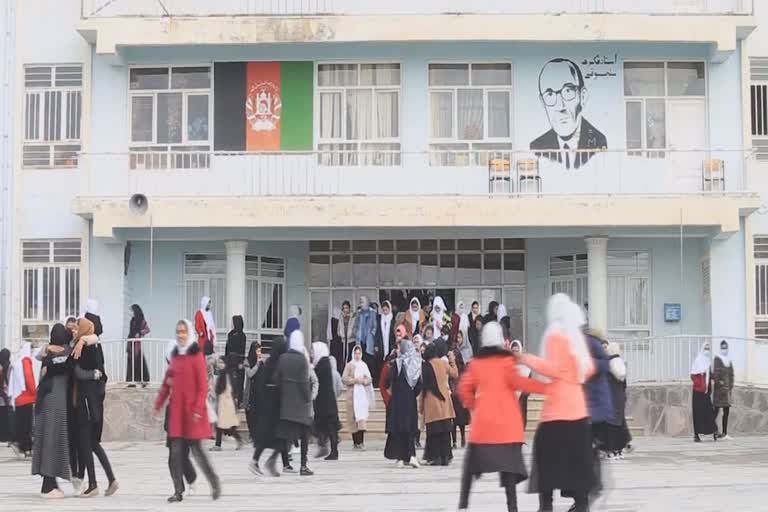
(387, 115)
(470, 114)
(441, 114)
(330, 115)
(359, 114)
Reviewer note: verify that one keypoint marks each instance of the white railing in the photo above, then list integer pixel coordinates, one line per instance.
(467, 172)
(668, 359)
(110, 8)
(118, 359)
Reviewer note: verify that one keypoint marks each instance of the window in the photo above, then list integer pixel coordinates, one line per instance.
(761, 287)
(568, 275)
(51, 280)
(470, 108)
(359, 114)
(629, 278)
(651, 89)
(52, 114)
(759, 106)
(170, 110)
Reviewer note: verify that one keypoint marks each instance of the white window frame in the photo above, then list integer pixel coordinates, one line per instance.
(628, 277)
(760, 253)
(69, 147)
(644, 150)
(350, 157)
(185, 154)
(65, 309)
(576, 280)
(474, 145)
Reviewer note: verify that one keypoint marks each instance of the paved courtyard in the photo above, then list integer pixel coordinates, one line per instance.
(663, 475)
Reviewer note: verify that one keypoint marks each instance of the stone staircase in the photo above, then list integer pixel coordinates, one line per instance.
(377, 419)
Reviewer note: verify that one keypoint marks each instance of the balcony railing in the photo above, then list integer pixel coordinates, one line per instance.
(464, 173)
(112, 8)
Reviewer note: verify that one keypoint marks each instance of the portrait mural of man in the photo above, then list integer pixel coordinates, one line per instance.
(564, 96)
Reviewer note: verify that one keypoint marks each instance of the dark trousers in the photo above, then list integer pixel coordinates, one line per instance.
(136, 366)
(372, 362)
(180, 450)
(88, 447)
(188, 469)
(282, 450)
(78, 471)
(506, 481)
(726, 413)
(49, 484)
(462, 429)
(23, 427)
(230, 432)
(580, 501)
(438, 448)
(358, 437)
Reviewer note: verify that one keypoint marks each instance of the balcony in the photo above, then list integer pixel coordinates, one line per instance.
(193, 8)
(190, 173)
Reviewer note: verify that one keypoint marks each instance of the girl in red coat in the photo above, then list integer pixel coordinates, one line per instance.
(185, 385)
(488, 389)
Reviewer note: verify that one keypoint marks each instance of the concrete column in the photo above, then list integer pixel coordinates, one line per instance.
(235, 277)
(597, 282)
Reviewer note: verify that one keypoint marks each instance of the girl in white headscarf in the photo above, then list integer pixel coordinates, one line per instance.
(205, 326)
(439, 317)
(722, 382)
(562, 450)
(404, 382)
(360, 398)
(703, 412)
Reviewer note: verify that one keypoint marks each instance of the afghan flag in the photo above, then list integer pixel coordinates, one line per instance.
(263, 106)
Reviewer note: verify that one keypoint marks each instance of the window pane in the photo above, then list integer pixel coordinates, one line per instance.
(638, 296)
(149, 78)
(498, 114)
(359, 118)
(141, 119)
(471, 244)
(428, 269)
(492, 268)
(514, 243)
(380, 74)
(320, 314)
(342, 271)
(169, 118)
(514, 268)
(407, 245)
(319, 245)
(386, 245)
(468, 269)
(655, 130)
(429, 245)
(685, 78)
(387, 115)
(441, 115)
(449, 74)
(470, 114)
(634, 113)
(407, 268)
(447, 269)
(447, 245)
(197, 117)
(191, 78)
(364, 245)
(492, 74)
(644, 79)
(492, 244)
(319, 270)
(340, 245)
(616, 302)
(330, 115)
(387, 268)
(364, 270)
(336, 74)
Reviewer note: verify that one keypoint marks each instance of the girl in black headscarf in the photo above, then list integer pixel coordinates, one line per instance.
(6, 433)
(268, 413)
(50, 451)
(137, 369)
(493, 307)
(235, 353)
(254, 364)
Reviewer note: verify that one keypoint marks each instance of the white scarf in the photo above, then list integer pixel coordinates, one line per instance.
(210, 323)
(362, 394)
(463, 320)
(16, 382)
(701, 365)
(415, 315)
(438, 310)
(566, 317)
(174, 344)
(386, 322)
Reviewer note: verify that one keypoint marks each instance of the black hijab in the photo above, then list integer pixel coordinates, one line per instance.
(237, 324)
(428, 376)
(253, 358)
(137, 321)
(279, 347)
(492, 308)
(60, 336)
(5, 364)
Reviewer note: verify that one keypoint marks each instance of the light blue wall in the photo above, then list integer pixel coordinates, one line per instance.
(666, 285)
(167, 304)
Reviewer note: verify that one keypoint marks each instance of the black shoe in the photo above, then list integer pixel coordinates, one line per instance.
(288, 469)
(333, 456)
(271, 467)
(418, 444)
(305, 471)
(696, 438)
(323, 452)
(176, 498)
(216, 493)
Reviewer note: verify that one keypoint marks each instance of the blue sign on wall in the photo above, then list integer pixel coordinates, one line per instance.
(673, 312)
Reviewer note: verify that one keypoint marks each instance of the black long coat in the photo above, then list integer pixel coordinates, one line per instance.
(266, 398)
(402, 411)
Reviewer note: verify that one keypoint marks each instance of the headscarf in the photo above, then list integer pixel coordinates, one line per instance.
(92, 307)
(386, 324)
(702, 362)
(16, 382)
(465, 349)
(428, 371)
(441, 347)
(362, 394)
(523, 370)
(291, 326)
(191, 339)
(364, 303)
(492, 336)
(461, 310)
(724, 357)
(491, 314)
(252, 357)
(319, 351)
(330, 334)
(5, 366)
(616, 364)
(210, 323)
(84, 328)
(294, 311)
(60, 336)
(402, 331)
(296, 342)
(438, 310)
(410, 360)
(567, 318)
(415, 315)
(237, 324)
(501, 312)
(137, 321)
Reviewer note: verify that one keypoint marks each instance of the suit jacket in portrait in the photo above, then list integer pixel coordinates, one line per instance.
(589, 138)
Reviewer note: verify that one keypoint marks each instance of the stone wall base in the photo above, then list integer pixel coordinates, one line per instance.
(666, 410)
(128, 415)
